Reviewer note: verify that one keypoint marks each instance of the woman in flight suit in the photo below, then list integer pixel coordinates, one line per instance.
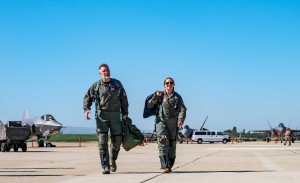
(170, 117)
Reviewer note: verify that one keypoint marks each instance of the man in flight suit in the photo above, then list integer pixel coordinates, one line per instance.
(111, 107)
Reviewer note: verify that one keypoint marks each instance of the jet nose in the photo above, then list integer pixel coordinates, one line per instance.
(280, 129)
(56, 126)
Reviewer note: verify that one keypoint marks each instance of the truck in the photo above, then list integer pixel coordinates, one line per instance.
(13, 136)
(209, 136)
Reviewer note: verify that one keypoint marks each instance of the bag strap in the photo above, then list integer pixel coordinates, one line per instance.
(117, 83)
(159, 103)
(96, 91)
(161, 99)
(100, 82)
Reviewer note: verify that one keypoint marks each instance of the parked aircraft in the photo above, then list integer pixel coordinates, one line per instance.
(43, 127)
(277, 132)
(185, 132)
(1, 123)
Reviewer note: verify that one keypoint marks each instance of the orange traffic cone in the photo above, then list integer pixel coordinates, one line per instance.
(142, 144)
(146, 140)
(276, 140)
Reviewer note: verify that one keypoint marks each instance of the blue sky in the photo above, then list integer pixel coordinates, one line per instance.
(236, 61)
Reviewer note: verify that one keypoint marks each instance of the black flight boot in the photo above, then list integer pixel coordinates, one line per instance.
(172, 161)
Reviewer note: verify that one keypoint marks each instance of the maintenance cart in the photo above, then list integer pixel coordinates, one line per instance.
(13, 136)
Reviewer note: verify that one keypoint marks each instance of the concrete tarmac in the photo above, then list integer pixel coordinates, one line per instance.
(246, 162)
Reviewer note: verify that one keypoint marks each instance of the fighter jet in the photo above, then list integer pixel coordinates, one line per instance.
(43, 127)
(185, 132)
(277, 132)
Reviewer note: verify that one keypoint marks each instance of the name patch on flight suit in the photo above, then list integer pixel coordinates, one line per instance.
(111, 87)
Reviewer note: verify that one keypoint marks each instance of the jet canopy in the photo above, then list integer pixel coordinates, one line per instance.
(48, 117)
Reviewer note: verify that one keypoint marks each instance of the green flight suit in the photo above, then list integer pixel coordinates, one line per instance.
(111, 104)
(171, 110)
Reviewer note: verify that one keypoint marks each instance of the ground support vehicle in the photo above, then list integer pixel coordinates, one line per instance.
(209, 136)
(13, 136)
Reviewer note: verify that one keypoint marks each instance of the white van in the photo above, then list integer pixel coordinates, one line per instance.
(209, 136)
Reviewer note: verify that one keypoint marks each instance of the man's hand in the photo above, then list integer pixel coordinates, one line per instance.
(179, 123)
(86, 114)
(125, 117)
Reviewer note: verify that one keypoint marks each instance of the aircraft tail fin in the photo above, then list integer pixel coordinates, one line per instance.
(25, 114)
(269, 124)
(201, 128)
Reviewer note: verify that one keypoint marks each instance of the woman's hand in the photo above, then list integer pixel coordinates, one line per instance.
(179, 123)
(159, 92)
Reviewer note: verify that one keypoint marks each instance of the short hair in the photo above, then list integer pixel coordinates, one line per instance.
(103, 65)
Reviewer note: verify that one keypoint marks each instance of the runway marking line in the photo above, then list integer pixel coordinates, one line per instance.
(151, 178)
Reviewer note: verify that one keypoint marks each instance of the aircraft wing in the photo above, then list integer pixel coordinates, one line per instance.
(262, 131)
(295, 131)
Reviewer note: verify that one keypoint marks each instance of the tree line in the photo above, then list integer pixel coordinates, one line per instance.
(243, 134)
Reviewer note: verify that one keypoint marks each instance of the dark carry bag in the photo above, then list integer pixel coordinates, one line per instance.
(150, 111)
(132, 135)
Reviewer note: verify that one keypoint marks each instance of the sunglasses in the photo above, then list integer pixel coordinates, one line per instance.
(169, 83)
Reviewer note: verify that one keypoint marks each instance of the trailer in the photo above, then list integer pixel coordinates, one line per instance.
(13, 136)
